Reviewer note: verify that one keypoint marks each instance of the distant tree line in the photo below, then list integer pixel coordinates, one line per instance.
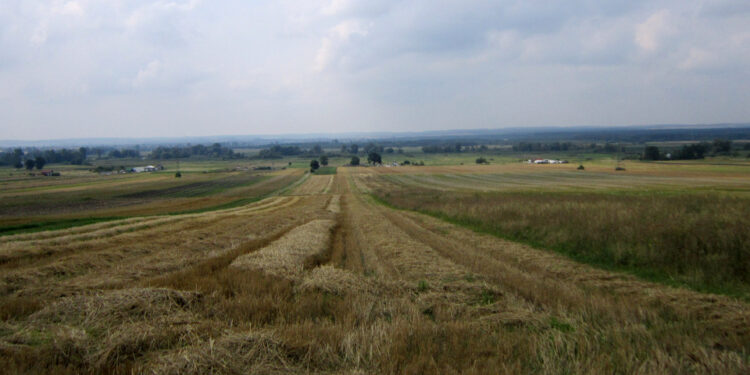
(689, 151)
(278, 152)
(124, 154)
(216, 150)
(19, 159)
(607, 147)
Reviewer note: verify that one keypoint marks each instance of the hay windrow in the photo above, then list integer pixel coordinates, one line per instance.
(286, 257)
(336, 281)
(116, 307)
(334, 205)
(236, 353)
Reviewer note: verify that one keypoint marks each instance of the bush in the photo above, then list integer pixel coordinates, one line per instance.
(354, 161)
(651, 153)
(481, 160)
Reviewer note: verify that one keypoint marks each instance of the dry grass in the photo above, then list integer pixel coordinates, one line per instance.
(344, 285)
(699, 238)
(314, 184)
(288, 256)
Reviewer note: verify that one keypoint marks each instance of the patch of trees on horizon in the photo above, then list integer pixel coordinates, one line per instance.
(19, 159)
(216, 150)
(691, 151)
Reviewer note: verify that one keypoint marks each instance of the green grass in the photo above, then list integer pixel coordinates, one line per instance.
(53, 225)
(325, 170)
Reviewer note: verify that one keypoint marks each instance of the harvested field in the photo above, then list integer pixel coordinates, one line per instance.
(319, 277)
(314, 185)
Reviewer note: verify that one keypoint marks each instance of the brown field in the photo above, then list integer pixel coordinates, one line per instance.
(320, 278)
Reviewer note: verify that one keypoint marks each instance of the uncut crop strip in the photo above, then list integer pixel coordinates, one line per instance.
(578, 288)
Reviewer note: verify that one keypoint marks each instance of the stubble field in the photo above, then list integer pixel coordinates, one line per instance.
(315, 274)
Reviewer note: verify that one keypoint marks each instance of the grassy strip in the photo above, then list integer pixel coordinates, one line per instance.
(739, 291)
(325, 170)
(54, 225)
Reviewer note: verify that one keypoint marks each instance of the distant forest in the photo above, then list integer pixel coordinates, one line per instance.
(632, 141)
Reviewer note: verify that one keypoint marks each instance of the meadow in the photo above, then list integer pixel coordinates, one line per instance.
(444, 268)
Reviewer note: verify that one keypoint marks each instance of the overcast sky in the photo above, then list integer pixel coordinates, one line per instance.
(113, 68)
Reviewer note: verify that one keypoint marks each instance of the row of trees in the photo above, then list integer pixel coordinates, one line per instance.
(689, 152)
(18, 159)
(216, 150)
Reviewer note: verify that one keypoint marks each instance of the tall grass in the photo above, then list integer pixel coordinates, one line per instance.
(698, 240)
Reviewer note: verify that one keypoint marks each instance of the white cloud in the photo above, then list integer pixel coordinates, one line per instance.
(338, 37)
(648, 34)
(149, 73)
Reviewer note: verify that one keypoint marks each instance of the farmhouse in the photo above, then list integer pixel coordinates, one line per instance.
(148, 168)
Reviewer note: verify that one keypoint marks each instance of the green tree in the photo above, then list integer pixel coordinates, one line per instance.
(354, 161)
(29, 163)
(722, 145)
(354, 148)
(374, 158)
(314, 165)
(324, 160)
(651, 153)
(481, 160)
(317, 150)
(39, 162)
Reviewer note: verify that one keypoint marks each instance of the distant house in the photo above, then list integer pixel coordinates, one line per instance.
(49, 172)
(148, 168)
(546, 161)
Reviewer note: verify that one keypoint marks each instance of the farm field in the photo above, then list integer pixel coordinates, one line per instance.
(29, 204)
(381, 270)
